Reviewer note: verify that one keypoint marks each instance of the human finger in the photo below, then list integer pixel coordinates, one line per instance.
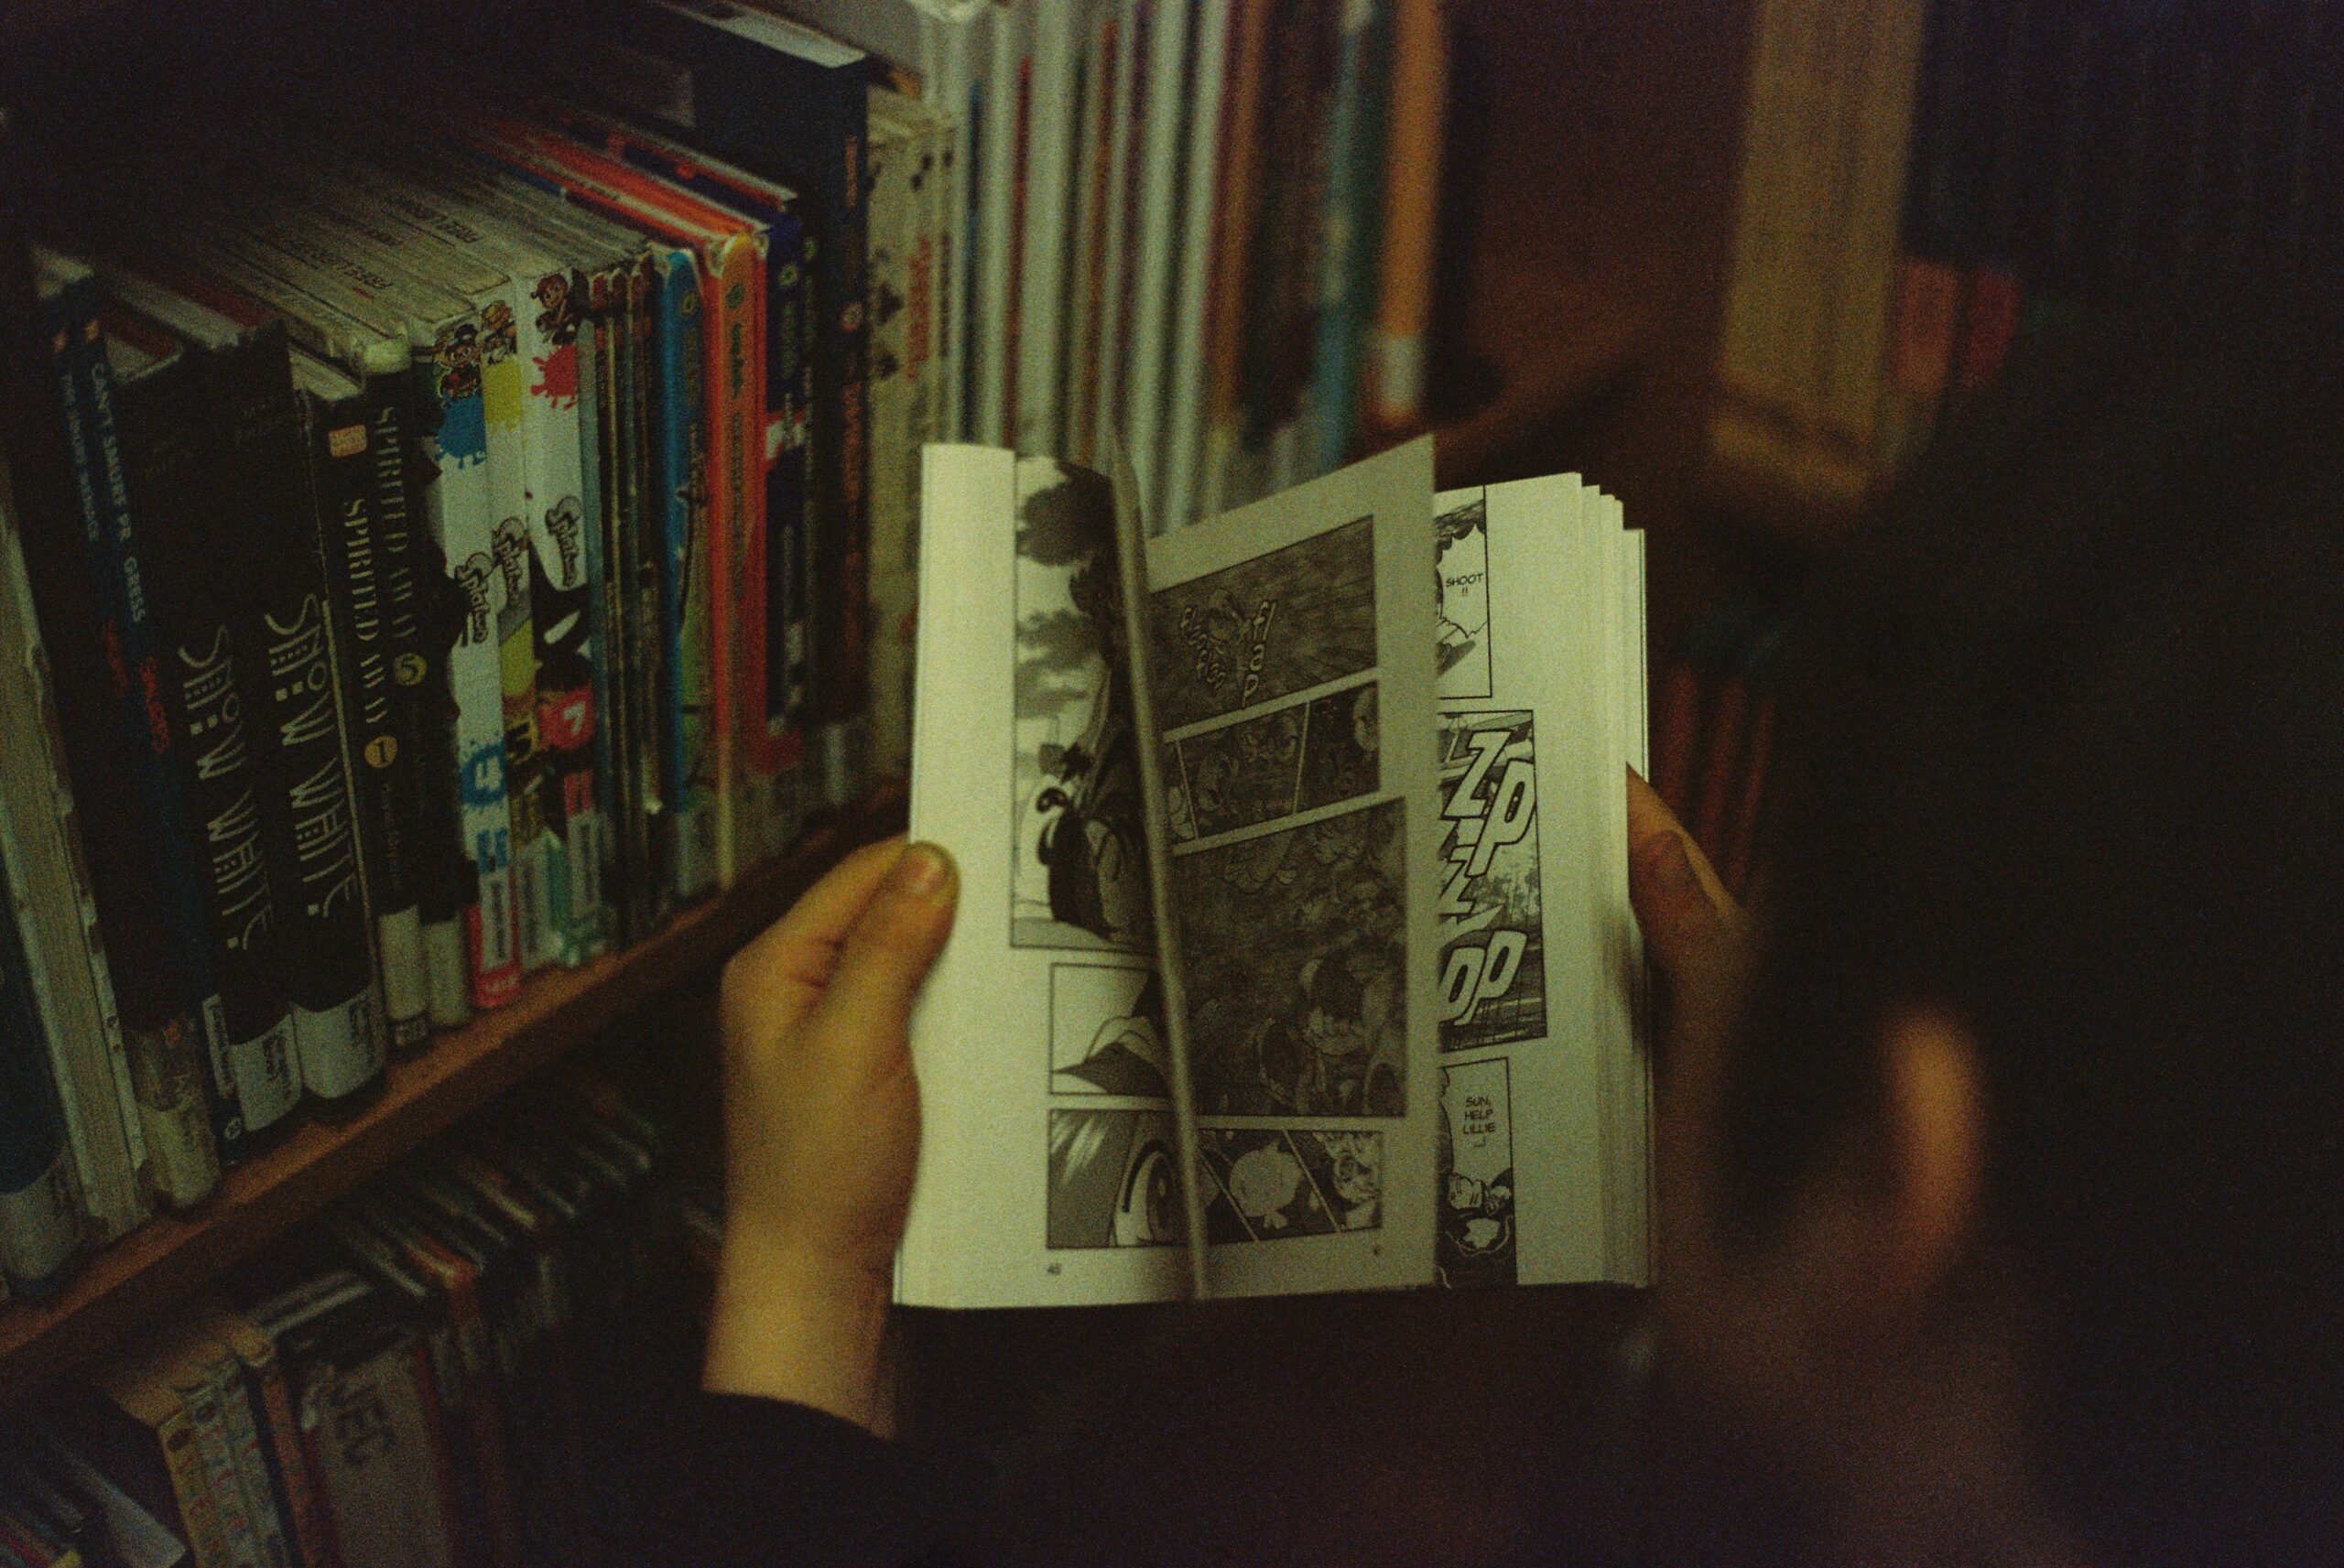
(891, 944)
(1687, 919)
(782, 971)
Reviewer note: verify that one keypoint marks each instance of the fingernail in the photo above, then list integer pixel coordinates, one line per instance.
(924, 872)
(1672, 867)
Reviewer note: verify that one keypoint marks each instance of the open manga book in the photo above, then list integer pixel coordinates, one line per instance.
(1294, 950)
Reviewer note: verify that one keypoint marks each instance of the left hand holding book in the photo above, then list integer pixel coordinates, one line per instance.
(822, 1131)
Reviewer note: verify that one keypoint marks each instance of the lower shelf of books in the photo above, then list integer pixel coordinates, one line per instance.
(123, 1284)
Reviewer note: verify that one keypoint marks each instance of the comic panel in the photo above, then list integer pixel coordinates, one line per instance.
(1265, 628)
(1107, 1033)
(1294, 758)
(1474, 1246)
(1269, 1185)
(1079, 875)
(1114, 1179)
(1296, 943)
(1462, 554)
(1494, 944)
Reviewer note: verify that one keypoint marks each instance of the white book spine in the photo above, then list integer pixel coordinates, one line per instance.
(1184, 434)
(1155, 241)
(58, 918)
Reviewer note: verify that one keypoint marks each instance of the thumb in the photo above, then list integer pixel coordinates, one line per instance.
(1686, 925)
(893, 944)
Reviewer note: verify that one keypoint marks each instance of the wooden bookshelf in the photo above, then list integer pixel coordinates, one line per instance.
(124, 1285)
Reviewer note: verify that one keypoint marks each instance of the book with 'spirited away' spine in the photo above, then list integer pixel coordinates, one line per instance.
(56, 911)
(198, 569)
(444, 336)
(1298, 1010)
(84, 393)
(365, 563)
(161, 1033)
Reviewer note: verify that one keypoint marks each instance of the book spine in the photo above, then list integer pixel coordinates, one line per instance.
(216, 1461)
(642, 467)
(40, 1212)
(424, 612)
(732, 288)
(40, 841)
(349, 550)
(85, 391)
(283, 471)
(894, 239)
(337, 999)
(183, 1463)
(595, 341)
(197, 565)
(790, 610)
(537, 866)
(466, 529)
(687, 694)
(160, 1044)
(627, 865)
(839, 455)
(270, 1549)
(563, 608)
(767, 810)
(309, 1530)
(1411, 208)
(313, 818)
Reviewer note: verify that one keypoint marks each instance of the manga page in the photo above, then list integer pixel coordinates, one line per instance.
(1049, 1168)
(1279, 649)
(1533, 831)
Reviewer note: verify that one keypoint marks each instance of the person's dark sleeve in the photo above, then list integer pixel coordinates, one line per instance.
(757, 1482)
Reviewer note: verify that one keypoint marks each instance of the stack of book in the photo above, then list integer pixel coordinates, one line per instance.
(1928, 187)
(435, 550)
(447, 532)
(445, 1368)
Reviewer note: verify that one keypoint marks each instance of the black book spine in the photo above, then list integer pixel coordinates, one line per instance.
(162, 1035)
(425, 616)
(341, 474)
(314, 849)
(194, 573)
(85, 391)
(647, 658)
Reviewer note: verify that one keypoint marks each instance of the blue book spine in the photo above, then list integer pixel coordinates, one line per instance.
(84, 385)
(40, 1217)
(679, 410)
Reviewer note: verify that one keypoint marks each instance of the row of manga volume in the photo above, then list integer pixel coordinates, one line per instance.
(1204, 229)
(433, 554)
(445, 1368)
(1933, 188)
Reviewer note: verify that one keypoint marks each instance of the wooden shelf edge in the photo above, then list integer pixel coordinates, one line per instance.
(124, 1284)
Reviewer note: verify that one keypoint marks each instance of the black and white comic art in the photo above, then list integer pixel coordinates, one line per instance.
(1274, 1184)
(1280, 764)
(1263, 628)
(1461, 571)
(1494, 958)
(1475, 1245)
(1296, 950)
(1107, 1035)
(1114, 1179)
(1079, 879)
